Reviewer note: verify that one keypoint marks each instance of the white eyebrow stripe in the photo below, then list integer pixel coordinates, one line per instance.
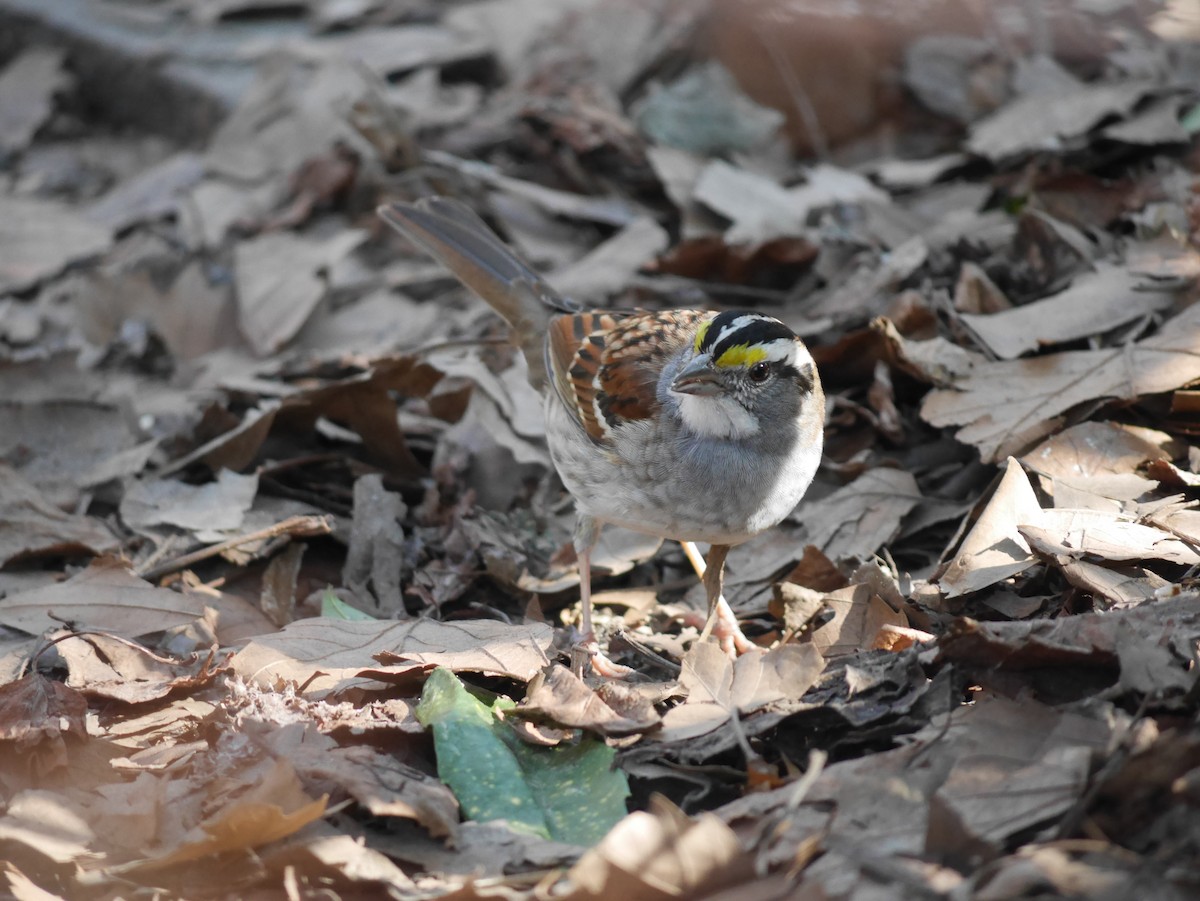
(739, 323)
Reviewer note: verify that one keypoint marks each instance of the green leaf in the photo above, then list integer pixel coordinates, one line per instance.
(1191, 120)
(335, 608)
(570, 793)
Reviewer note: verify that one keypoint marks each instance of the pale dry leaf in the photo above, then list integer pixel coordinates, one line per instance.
(563, 698)
(718, 688)
(707, 676)
(320, 653)
(1096, 302)
(269, 811)
(361, 867)
(22, 888)
(32, 526)
(27, 88)
(1122, 587)
(57, 443)
(859, 518)
(985, 800)
(38, 238)
(994, 549)
(279, 282)
(1158, 123)
(106, 595)
(375, 555)
(1100, 457)
(512, 28)
(612, 210)
(1004, 406)
(1184, 524)
(661, 853)
(1142, 634)
(391, 50)
(858, 616)
(1046, 121)
(36, 710)
(101, 667)
(1103, 535)
(148, 195)
(48, 823)
(382, 784)
(214, 507)
(759, 208)
(196, 316)
(609, 267)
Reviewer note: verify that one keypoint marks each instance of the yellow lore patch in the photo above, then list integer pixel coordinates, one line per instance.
(741, 355)
(701, 332)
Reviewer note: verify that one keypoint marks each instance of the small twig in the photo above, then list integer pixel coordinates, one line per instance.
(296, 526)
(100, 633)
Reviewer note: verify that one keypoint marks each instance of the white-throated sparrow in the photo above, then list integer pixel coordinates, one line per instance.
(683, 424)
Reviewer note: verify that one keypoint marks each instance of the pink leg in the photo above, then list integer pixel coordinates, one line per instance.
(722, 622)
(587, 530)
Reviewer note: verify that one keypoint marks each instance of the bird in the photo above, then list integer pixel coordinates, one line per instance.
(690, 424)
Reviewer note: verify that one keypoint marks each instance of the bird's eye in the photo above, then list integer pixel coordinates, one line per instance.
(760, 372)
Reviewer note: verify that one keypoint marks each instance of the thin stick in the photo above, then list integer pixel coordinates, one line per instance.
(299, 526)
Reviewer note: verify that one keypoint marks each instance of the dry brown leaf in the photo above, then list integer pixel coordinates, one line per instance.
(100, 666)
(360, 869)
(56, 444)
(1125, 586)
(662, 853)
(107, 596)
(1005, 406)
(279, 283)
(381, 783)
(31, 526)
(858, 519)
(208, 509)
(1138, 640)
(48, 824)
(858, 616)
(37, 714)
(1095, 533)
(40, 237)
(375, 559)
(994, 549)
(321, 653)
(610, 266)
(1099, 457)
(27, 88)
(718, 688)
(148, 195)
(1095, 303)
(1044, 121)
(257, 815)
(560, 696)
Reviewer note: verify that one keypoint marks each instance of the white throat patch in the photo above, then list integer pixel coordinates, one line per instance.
(716, 417)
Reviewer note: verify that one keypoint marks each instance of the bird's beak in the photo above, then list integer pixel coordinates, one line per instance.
(698, 377)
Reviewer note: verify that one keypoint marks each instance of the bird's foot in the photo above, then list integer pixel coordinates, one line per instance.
(728, 632)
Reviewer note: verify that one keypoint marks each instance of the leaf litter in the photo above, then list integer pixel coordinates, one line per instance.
(286, 578)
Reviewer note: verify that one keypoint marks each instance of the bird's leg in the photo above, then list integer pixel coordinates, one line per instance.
(721, 619)
(587, 531)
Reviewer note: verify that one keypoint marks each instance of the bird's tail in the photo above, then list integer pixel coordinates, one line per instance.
(452, 233)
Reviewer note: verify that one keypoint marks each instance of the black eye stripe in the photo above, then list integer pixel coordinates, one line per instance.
(757, 329)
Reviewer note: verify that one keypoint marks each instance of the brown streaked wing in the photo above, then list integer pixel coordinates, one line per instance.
(606, 365)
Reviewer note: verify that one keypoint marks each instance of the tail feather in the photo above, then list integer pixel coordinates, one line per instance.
(453, 234)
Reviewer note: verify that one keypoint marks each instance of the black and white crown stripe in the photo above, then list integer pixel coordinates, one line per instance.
(736, 327)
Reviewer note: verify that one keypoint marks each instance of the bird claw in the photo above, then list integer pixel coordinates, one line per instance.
(729, 633)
